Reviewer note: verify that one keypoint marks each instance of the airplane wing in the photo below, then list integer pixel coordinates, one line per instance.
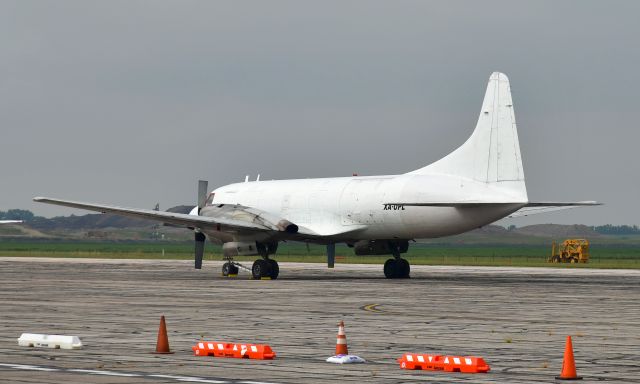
(223, 217)
(179, 219)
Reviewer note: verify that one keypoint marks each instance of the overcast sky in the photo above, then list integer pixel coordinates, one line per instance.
(131, 102)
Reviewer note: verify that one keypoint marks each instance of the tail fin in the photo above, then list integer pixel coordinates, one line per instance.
(492, 153)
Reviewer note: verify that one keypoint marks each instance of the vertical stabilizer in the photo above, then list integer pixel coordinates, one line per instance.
(492, 153)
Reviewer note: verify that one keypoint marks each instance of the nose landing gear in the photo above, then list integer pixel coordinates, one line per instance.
(229, 269)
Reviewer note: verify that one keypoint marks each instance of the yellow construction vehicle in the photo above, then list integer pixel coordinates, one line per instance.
(570, 251)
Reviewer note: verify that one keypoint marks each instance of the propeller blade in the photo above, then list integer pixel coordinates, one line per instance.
(202, 193)
(199, 250)
(331, 255)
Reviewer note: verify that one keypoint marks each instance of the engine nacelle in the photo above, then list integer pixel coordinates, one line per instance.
(237, 248)
(380, 247)
(248, 248)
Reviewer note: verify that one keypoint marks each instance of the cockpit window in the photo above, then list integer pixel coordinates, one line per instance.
(210, 199)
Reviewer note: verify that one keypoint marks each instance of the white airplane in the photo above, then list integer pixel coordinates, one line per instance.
(480, 182)
(10, 221)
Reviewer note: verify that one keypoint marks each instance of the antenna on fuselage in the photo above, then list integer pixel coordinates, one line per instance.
(258, 178)
(246, 179)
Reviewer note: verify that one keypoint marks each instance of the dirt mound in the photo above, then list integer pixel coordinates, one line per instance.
(558, 231)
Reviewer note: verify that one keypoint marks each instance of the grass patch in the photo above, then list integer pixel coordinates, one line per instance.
(610, 256)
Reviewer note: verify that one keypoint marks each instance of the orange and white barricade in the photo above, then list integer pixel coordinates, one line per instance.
(235, 350)
(465, 364)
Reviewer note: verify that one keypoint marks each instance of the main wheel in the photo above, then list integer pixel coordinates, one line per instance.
(275, 269)
(404, 269)
(261, 268)
(390, 269)
(397, 269)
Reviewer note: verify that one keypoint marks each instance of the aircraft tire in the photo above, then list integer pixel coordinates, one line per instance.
(275, 269)
(226, 269)
(397, 269)
(261, 268)
(404, 269)
(391, 269)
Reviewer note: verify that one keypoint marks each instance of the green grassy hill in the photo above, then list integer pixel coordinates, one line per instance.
(107, 236)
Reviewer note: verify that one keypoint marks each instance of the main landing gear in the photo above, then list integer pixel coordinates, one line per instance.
(397, 268)
(263, 268)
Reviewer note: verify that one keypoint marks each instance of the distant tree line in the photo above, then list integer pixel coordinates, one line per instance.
(608, 229)
(91, 220)
(617, 229)
(17, 214)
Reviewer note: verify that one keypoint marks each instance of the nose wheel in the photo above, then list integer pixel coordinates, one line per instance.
(229, 269)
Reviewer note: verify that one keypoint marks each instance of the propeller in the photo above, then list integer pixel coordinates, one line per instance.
(202, 193)
(200, 238)
(331, 255)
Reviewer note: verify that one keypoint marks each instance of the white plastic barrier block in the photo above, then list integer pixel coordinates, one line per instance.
(49, 341)
(345, 359)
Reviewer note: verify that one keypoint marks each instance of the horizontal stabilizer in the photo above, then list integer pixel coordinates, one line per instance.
(526, 209)
(545, 207)
(563, 204)
(483, 203)
(459, 204)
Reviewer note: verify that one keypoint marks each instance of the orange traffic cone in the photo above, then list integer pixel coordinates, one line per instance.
(341, 342)
(162, 346)
(568, 364)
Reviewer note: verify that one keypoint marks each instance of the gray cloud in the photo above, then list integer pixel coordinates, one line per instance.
(131, 102)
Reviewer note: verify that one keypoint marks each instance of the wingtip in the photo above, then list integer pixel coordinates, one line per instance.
(38, 198)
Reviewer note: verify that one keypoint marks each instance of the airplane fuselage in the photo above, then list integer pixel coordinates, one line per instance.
(332, 206)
